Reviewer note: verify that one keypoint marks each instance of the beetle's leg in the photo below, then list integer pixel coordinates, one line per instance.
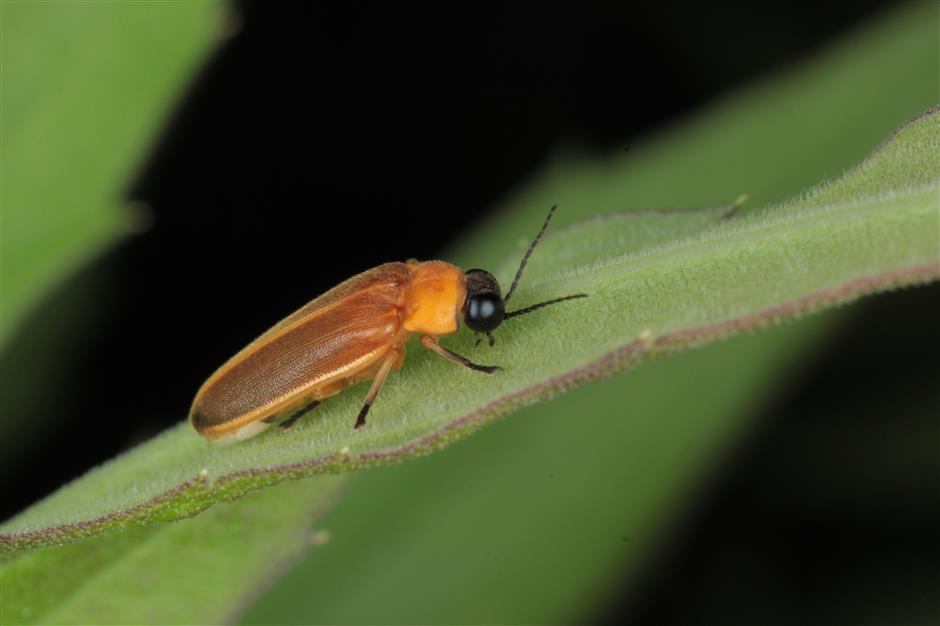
(490, 339)
(290, 421)
(431, 343)
(377, 383)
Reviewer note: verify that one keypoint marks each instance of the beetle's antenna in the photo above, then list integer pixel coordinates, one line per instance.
(525, 259)
(529, 309)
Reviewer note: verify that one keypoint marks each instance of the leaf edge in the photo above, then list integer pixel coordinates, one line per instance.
(200, 493)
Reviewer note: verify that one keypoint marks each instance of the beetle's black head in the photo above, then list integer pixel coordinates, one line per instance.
(483, 310)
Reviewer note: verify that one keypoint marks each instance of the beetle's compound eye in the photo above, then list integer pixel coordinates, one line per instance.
(484, 312)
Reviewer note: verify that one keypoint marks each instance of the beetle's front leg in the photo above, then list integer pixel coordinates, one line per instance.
(431, 343)
(490, 339)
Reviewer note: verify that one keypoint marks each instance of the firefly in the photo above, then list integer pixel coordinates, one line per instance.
(355, 332)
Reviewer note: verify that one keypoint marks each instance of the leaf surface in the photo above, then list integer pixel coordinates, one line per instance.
(139, 576)
(872, 229)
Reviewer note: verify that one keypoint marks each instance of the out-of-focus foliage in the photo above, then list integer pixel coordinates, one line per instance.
(198, 571)
(85, 87)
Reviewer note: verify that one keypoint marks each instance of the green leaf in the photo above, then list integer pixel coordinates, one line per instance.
(645, 301)
(140, 576)
(574, 507)
(85, 86)
(545, 517)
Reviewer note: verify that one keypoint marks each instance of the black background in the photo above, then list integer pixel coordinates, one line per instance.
(321, 141)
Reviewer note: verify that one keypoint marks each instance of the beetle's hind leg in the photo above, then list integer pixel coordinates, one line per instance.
(293, 419)
(290, 421)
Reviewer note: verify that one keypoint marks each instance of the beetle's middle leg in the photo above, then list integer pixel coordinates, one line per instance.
(394, 358)
(290, 421)
(430, 342)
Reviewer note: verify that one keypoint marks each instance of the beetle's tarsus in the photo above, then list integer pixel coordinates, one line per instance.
(361, 420)
(486, 369)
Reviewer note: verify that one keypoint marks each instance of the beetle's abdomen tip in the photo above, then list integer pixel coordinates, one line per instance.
(233, 435)
(197, 420)
(239, 434)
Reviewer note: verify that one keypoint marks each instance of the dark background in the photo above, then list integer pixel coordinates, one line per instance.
(405, 126)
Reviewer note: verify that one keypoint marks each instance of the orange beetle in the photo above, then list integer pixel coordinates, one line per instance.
(356, 331)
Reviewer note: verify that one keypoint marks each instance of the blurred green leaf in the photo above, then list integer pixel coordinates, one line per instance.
(198, 571)
(85, 86)
(84, 89)
(647, 298)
